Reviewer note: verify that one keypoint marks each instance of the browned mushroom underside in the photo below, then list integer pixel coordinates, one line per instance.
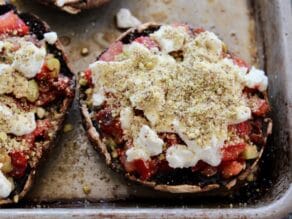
(38, 28)
(75, 6)
(95, 138)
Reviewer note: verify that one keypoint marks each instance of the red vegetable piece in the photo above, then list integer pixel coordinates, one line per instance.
(146, 41)
(19, 163)
(44, 74)
(40, 131)
(238, 61)
(88, 76)
(243, 129)
(10, 22)
(231, 152)
(114, 49)
(231, 168)
(261, 107)
(198, 30)
(109, 125)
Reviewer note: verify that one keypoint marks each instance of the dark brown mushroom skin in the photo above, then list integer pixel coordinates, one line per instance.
(75, 6)
(38, 28)
(223, 186)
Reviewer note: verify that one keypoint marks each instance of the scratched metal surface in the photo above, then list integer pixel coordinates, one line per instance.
(73, 164)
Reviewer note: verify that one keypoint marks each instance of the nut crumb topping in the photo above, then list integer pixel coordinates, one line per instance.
(203, 91)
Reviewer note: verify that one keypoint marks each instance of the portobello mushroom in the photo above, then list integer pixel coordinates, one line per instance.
(73, 6)
(169, 107)
(36, 91)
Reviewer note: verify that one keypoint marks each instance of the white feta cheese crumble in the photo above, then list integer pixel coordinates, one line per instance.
(125, 19)
(256, 78)
(126, 117)
(136, 153)
(29, 59)
(179, 156)
(149, 140)
(98, 98)
(210, 154)
(51, 37)
(5, 186)
(60, 3)
(243, 113)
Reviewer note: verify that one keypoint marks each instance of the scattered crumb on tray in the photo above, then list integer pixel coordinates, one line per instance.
(86, 189)
(84, 51)
(67, 128)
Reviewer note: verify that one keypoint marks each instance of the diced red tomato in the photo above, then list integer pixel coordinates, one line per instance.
(88, 76)
(231, 168)
(19, 163)
(50, 88)
(145, 169)
(10, 22)
(114, 49)
(109, 125)
(238, 61)
(243, 129)
(258, 139)
(44, 74)
(231, 152)
(146, 41)
(40, 131)
(198, 30)
(260, 108)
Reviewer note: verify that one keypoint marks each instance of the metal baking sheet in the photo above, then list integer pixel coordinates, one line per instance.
(257, 32)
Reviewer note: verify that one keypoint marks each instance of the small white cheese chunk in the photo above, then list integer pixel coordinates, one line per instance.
(5, 186)
(125, 19)
(179, 156)
(16, 123)
(98, 98)
(136, 153)
(243, 113)
(29, 59)
(149, 140)
(23, 124)
(126, 117)
(170, 38)
(256, 78)
(51, 37)
(210, 154)
(60, 3)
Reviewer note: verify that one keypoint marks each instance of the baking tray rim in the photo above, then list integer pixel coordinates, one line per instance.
(275, 209)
